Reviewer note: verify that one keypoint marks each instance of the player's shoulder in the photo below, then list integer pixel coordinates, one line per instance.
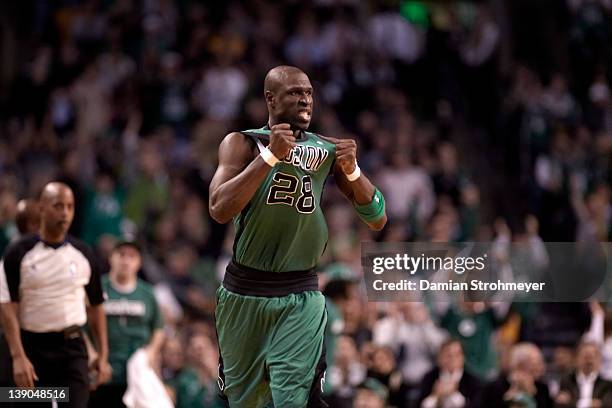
(248, 133)
(320, 140)
(19, 247)
(256, 135)
(236, 146)
(246, 138)
(234, 137)
(258, 131)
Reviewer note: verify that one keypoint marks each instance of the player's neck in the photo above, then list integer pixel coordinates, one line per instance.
(272, 121)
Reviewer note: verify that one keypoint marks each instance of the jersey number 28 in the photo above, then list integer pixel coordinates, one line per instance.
(285, 186)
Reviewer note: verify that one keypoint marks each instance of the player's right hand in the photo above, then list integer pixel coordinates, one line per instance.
(23, 372)
(281, 140)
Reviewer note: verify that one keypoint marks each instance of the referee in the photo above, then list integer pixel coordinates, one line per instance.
(52, 289)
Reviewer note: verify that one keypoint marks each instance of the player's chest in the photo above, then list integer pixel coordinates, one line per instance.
(309, 158)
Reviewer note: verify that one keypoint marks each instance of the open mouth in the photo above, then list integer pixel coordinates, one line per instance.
(304, 114)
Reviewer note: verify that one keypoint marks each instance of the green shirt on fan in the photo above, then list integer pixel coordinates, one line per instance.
(131, 318)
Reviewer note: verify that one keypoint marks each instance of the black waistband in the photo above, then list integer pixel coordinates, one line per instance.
(69, 333)
(254, 282)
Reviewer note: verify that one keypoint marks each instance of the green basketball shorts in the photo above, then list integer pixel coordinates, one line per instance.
(271, 349)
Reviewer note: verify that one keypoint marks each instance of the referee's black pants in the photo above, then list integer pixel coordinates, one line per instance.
(108, 395)
(59, 362)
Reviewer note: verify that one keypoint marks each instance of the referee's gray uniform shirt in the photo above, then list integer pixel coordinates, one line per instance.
(53, 283)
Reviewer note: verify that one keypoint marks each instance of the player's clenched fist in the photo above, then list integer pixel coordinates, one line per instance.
(346, 153)
(281, 140)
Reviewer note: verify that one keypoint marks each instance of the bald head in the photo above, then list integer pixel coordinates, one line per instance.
(288, 94)
(278, 76)
(56, 211)
(54, 189)
(28, 216)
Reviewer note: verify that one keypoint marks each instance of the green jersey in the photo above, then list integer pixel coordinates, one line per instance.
(131, 318)
(283, 228)
(475, 331)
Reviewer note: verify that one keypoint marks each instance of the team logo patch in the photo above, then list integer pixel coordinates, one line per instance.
(72, 268)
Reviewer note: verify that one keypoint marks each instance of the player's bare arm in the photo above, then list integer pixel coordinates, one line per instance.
(359, 191)
(241, 171)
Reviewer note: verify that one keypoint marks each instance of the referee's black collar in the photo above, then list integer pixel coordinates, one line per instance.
(53, 245)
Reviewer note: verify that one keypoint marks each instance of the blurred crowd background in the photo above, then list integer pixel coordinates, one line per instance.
(479, 120)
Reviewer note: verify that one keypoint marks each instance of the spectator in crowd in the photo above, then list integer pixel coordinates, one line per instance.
(585, 387)
(382, 366)
(221, 91)
(562, 366)
(558, 101)
(522, 384)
(27, 218)
(173, 358)
(134, 321)
(449, 385)
(102, 211)
(606, 347)
(416, 199)
(370, 394)
(7, 218)
(394, 37)
(346, 373)
(147, 196)
(411, 333)
(474, 325)
(338, 293)
(195, 385)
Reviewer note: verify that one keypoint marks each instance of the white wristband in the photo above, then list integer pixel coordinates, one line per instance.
(355, 174)
(269, 157)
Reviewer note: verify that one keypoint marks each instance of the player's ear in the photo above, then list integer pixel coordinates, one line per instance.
(269, 98)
